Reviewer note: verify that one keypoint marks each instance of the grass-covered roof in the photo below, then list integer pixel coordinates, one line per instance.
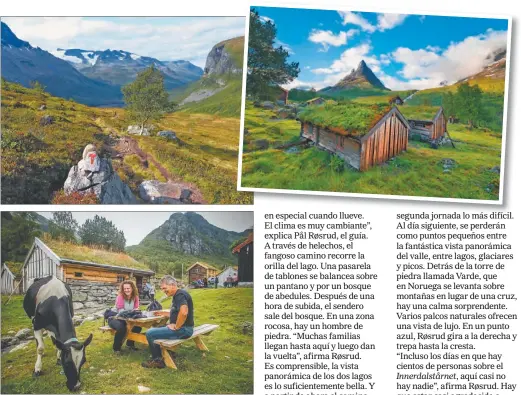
(14, 267)
(69, 251)
(355, 119)
(424, 113)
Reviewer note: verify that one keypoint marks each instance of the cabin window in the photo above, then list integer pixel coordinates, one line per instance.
(121, 279)
(310, 129)
(78, 274)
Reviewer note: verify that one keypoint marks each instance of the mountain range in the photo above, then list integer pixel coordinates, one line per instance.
(183, 239)
(89, 77)
(118, 67)
(22, 63)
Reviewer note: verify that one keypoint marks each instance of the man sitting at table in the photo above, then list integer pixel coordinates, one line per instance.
(181, 324)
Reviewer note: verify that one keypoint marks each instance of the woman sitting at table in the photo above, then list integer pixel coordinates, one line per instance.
(127, 300)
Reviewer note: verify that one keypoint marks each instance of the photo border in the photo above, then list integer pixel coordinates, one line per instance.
(332, 7)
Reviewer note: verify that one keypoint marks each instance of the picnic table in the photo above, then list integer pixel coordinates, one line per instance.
(167, 345)
(147, 322)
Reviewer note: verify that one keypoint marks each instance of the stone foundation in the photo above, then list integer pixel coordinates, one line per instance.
(89, 297)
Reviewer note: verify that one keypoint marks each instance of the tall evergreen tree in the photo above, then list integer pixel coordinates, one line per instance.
(267, 65)
(18, 233)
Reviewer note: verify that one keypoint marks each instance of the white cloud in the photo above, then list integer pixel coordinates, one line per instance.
(285, 46)
(384, 21)
(350, 59)
(188, 38)
(458, 61)
(389, 21)
(299, 84)
(352, 18)
(327, 38)
(266, 19)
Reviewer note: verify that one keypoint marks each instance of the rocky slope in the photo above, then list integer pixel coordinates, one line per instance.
(183, 239)
(494, 70)
(118, 67)
(192, 234)
(222, 76)
(22, 63)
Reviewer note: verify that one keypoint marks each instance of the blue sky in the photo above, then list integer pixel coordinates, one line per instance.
(164, 38)
(404, 51)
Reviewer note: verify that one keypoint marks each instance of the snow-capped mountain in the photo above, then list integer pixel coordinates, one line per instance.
(118, 67)
(22, 63)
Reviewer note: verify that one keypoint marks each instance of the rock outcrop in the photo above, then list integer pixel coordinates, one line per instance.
(95, 175)
(136, 129)
(168, 134)
(157, 192)
(220, 60)
(191, 233)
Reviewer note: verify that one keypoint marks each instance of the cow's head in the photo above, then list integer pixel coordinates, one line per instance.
(72, 359)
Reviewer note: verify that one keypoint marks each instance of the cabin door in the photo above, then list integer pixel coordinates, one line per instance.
(139, 283)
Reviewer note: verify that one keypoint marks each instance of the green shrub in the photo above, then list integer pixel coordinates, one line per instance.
(337, 164)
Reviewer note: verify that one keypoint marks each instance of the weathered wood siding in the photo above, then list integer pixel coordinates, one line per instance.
(345, 147)
(306, 130)
(386, 142)
(439, 127)
(8, 280)
(88, 273)
(40, 264)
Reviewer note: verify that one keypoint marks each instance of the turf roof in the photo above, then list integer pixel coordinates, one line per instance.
(424, 113)
(355, 119)
(83, 253)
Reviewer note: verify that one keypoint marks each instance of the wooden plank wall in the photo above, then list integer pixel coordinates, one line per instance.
(307, 131)
(439, 127)
(388, 141)
(91, 274)
(39, 265)
(7, 281)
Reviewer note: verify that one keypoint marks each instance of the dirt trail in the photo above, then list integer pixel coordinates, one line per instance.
(120, 147)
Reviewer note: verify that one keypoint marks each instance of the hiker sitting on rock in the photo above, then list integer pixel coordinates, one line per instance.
(181, 324)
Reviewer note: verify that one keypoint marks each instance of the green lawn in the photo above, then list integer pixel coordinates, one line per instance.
(226, 369)
(416, 172)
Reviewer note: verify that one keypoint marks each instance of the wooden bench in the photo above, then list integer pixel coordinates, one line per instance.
(171, 345)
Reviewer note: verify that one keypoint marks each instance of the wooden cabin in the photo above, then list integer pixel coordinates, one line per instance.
(200, 270)
(244, 253)
(283, 95)
(396, 100)
(363, 135)
(70, 262)
(315, 101)
(230, 271)
(8, 280)
(427, 123)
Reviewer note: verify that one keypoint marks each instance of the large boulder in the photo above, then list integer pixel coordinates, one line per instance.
(23, 334)
(95, 175)
(153, 191)
(136, 129)
(268, 105)
(168, 134)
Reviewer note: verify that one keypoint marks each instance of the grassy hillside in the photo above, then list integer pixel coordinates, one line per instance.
(417, 172)
(226, 102)
(226, 369)
(492, 98)
(36, 159)
(161, 257)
